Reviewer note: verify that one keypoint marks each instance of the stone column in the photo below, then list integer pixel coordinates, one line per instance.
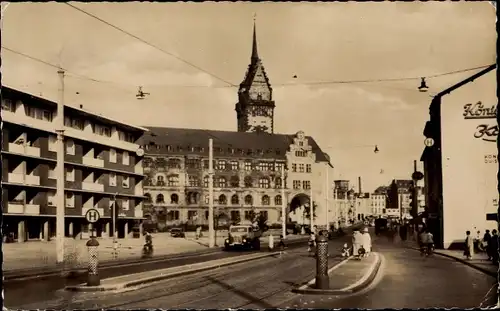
(107, 228)
(21, 231)
(70, 229)
(125, 230)
(46, 235)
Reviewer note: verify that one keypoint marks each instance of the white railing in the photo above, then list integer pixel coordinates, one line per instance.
(138, 212)
(32, 180)
(28, 209)
(32, 209)
(16, 148)
(16, 178)
(33, 151)
(13, 208)
(93, 161)
(139, 169)
(92, 186)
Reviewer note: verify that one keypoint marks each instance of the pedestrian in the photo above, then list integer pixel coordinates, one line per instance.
(367, 241)
(469, 246)
(477, 241)
(494, 247)
(486, 243)
(357, 242)
(403, 231)
(198, 232)
(346, 250)
(311, 243)
(282, 243)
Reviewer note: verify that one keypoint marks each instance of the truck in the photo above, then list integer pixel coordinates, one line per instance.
(243, 236)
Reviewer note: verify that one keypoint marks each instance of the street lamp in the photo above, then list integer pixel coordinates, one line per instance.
(284, 216)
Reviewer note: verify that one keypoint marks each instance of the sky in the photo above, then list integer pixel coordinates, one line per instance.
(317, 42)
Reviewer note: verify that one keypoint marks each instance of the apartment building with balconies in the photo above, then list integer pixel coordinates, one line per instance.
(247, 175)
(101, 167)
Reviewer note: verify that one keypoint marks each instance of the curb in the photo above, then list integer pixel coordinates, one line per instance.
(366, 280)
(465, 262)
(101, 288)
(61, 272)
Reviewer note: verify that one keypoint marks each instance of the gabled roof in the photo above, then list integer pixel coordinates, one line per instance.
(182, 141)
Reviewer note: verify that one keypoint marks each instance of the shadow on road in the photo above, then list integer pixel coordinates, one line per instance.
(251, 298)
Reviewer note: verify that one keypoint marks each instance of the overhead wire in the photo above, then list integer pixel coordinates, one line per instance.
(149, 44)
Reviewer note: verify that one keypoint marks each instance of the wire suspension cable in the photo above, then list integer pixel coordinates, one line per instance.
(149, 44)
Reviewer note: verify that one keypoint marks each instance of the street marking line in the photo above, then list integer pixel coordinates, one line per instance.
(366, 276)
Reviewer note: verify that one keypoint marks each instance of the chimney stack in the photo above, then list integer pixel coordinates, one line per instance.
(359, 185)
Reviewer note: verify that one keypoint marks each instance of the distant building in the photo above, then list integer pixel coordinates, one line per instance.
(398, 203)
(247, 165)
(378, 201)
(101, 164)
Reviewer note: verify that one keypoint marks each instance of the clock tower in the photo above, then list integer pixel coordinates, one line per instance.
(255, 107)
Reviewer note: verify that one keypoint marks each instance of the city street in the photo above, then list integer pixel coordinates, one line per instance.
(407, 280)
(44, 288)
(262, 283)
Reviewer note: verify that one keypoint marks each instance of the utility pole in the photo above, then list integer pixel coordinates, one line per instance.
(335, 208)
(211, 231)
(284, 216)
(311, 209)
(61, 205)
(326, 200)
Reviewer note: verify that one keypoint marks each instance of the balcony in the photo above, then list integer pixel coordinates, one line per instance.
(93, 161)
(24, 179)
(22, 149)
(21, 208)
(139, 169)
(32, 180)
(91, 186)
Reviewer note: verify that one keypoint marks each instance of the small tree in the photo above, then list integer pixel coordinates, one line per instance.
(307, 211)
(259, 218)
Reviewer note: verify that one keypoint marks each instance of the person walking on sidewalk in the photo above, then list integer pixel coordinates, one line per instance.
(485, 243)
(311, 243)
(469, 246)
(357, 242)
(367, 241)
(494, 247)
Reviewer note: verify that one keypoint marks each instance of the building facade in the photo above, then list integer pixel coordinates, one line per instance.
(101, 167)
(247, 165)
(460, 159)
(378, 202)
(399, 203)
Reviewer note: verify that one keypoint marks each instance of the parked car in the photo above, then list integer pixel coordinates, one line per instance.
(177, 233)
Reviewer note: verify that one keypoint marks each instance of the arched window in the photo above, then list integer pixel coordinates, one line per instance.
(205, 181)
(174, 199)
(235, 199)
(278, 200)
(235, 181)
(248, 200)
(148, 197)
(222, 199)
(248, 182)
(160, 198)
(207, 199)
(266, 200)
(264, 183)
(277, 183)
(160, 180)
(193, 197)
(221, 182)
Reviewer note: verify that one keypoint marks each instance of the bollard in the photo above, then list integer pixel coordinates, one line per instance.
(322, 279)
(93, 273)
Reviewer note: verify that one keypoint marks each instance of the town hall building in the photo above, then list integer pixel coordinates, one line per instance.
(247, 165)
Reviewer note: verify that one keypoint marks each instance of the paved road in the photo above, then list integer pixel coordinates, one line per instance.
(408, 280)
(44, 288)
(259, 284)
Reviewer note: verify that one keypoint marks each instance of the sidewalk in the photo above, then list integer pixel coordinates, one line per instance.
(479, 261)
(349, 276)
(38, 254)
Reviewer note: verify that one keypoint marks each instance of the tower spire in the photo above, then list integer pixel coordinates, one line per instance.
(255, 55)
